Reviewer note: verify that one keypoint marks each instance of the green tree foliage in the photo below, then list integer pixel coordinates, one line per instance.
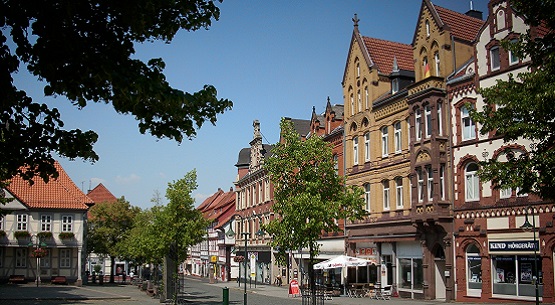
(309, 195)
(167, 230)
(108, 225)
(83, 50)
(522, 107)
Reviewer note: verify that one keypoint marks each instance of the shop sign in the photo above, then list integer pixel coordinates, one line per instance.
(513, 246)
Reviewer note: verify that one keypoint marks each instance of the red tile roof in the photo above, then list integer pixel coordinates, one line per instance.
(59, 193)
(220, 207)
(382, 53)
(462, 26)
(101, 194)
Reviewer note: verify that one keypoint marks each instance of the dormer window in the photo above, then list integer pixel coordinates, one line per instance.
(394, 85)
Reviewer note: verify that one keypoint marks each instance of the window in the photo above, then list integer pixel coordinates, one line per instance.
(439, 119)
(411, 273)
(67, 223)
(397, 137)
(408, 128)
(46, 223)
(335, 166)
(65, 258)
(426, 67)
(427, 28)
(21, 222)
(430, 182)
(442, 181)
(45, 260)
(20, 257)
(420, 185)
(367, 196)
(494, 58)
(418, 124)
(267, 182)
(385, 140)
(352, 104)
(359, 99)
(358, 69)
(472, 183)
(513, 59)
(437, 64)
(394, 85)
(386, 194)
(367, 147)
(469, 128)
(1, 223)
(355, 151)
(399, 192)
(367, 97)
(474, 267)
(505, 192)
(428, 114)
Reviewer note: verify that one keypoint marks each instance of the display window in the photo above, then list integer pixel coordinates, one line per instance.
(411, 273)
(515, 275)
(474, 271)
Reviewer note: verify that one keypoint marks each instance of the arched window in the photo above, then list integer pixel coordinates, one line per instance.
(367, 147)
(385, 141)
(399, 192)
(472, 182)
(355, 150)
(386, 196)
(367, 196)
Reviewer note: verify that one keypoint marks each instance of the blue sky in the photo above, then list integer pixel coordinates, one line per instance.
(271, 58)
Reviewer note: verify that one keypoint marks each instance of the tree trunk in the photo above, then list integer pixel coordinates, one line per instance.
(312, 277)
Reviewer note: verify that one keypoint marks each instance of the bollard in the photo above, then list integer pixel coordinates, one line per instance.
(226, 296)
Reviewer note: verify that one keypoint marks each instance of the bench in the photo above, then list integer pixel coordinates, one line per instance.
(59, 280)
(17, 279)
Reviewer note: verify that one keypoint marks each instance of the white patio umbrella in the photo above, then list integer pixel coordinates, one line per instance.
(342, 261)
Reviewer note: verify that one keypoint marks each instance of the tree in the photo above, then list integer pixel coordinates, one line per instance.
(309, 195)
(108, 225)
(522, 108)
(82, 50)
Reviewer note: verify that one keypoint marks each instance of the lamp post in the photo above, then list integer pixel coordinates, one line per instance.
(527, 227)
(245, 235)
(35, 242)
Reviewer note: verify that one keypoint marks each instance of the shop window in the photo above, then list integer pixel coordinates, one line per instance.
(410, 273)
(514, 275)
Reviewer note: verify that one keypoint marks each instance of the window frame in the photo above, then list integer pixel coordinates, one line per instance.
(65, 258)
(428, 121)
(45, 226)
(385, 141)
(367, 147)
(367, 198)
(399, 192)
(20, 257)
(398, 136)
(66, 226)
(430, 182)
(22, 222)
(355, 150)
(468, 126)
(386, 195)
(495, 59)
(418, 124)
(471, 178)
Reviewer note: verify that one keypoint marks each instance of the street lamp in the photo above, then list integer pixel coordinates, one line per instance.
(246, 235)
(37, 253)
(527, 227)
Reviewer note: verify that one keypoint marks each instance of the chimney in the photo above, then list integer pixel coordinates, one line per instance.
(474, 13)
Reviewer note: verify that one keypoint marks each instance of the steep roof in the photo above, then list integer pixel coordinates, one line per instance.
(462, 26)
(101, 194)
(302, 127)
(59, 193)
(383, 52)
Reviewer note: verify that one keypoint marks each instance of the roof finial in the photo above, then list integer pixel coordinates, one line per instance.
(395, 65)
(356, 20)
(471, 6)
(313, 108)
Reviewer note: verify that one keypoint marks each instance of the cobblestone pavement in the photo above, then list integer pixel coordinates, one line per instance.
(197, 291)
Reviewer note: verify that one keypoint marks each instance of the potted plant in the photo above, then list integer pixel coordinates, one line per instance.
(39, 253)
(21, 234)
(66, 235)
(44, 236)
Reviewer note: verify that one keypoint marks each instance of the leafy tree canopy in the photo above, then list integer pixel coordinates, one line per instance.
(522, 108)
(82, 50)
(309, 195)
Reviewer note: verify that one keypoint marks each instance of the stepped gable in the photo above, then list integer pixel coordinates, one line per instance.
(382, 53)
(59, 193)
(101, 194)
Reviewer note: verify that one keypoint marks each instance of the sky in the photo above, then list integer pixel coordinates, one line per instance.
(273, 59)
